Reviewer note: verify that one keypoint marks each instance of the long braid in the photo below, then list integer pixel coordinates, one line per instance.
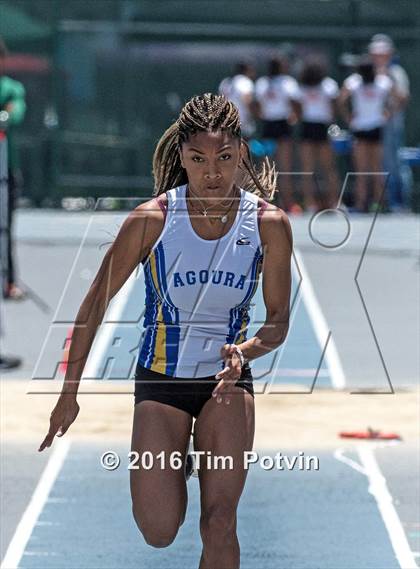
(207, 113)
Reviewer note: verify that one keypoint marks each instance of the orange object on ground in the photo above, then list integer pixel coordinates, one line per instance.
(369, 434)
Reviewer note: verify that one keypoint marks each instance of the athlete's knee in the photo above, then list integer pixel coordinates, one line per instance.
(157, 532)
(218, 524)
(158, 539)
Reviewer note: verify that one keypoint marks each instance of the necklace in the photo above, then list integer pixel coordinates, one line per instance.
(222, 217)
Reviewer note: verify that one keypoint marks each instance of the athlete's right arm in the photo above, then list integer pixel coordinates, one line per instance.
(136, 237)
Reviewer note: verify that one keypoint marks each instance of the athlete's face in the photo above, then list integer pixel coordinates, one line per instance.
(381, 60)
(211, 160)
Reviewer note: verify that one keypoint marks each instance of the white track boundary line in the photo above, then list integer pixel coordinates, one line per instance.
(321, 329)
(39, 497)
(379, 490)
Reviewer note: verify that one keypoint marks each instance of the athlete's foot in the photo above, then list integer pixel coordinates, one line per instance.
(399, 208)
(189, 466)
(311, 208)
(342, 207)
(15, 293)
(294, 209)
(358, 207)
(10, 362)
(374, 207)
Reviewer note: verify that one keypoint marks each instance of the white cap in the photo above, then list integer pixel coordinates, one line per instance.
(381, 44)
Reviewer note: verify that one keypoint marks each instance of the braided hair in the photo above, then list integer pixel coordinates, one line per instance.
(207, 113)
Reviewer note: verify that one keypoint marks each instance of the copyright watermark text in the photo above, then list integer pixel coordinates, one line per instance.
(110, 460)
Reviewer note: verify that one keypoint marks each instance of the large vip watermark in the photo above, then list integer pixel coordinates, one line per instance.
(114, 353)
(339, 241)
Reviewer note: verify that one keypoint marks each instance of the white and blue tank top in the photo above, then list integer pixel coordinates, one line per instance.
(198, 291)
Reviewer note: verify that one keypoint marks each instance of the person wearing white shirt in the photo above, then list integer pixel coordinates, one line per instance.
(276, 95)
(240, 90)
(368, 94)
(317, 100)
(382, 51)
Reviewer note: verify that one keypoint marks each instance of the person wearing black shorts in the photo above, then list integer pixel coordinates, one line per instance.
(190, 396)
(373, 135)
(314, 132)
(365, 104)
(317, 97)
(202, 242)
(276, 129)
(276, 95)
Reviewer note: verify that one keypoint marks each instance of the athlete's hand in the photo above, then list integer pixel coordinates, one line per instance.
(62, 416)
(229, 374)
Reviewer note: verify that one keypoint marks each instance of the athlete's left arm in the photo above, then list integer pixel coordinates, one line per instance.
(277, 241)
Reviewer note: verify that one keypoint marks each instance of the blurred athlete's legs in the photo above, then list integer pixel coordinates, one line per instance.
(329, 172)
(362, 164)
(14, 291)
(393, 134)
(376, 154)
(284, 161)
(307, 160)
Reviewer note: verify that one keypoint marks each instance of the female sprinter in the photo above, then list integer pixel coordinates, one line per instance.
(317, 98)
(201, 241)
(365, 104)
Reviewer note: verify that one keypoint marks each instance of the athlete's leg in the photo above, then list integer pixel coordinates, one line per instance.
(378, 180)
(329, 171)
(159, 495)
(307, 161)
(284, 161)
(361, 164)
(223, 430)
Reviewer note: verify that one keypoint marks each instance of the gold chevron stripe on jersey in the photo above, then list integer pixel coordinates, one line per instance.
(159, 358)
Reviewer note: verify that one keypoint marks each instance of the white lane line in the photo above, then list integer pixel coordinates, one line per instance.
(379, 490)
(339, 455)
(25, 527)
(332, 359)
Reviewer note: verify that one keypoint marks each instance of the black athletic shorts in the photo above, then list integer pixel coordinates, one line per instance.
(373, 135)
(189, 394)
(276, 129)
(314, 131)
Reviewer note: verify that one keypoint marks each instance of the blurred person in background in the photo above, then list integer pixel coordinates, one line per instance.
(382, 51)
(7, 362)
(12, 108)
(276, 96)
(240, 90)
(365, 105)
(318, 94)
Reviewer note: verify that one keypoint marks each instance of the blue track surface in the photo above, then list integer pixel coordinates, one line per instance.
(292, 519)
